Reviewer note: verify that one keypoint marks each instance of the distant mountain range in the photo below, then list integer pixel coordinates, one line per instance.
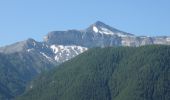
(30, 57)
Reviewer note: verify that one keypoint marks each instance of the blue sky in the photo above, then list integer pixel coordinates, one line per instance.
(22, 19)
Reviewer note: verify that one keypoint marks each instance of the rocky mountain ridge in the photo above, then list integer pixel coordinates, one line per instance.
(60, 46)
(102, 35)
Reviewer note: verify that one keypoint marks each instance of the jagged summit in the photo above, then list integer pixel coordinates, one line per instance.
(104, 29)
(100, 34)
(99, 23)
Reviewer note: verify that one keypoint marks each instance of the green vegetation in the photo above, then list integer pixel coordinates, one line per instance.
(119, 73)
(16, 71)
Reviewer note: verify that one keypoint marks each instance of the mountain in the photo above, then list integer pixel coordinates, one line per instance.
(112, 73)
(60, 46)
(22, 61)
(101, 35)
(17, 70)
(30, 51)
(19, 64)
(30, 57)
(52, 53)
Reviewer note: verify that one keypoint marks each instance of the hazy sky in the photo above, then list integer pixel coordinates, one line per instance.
(22, 19)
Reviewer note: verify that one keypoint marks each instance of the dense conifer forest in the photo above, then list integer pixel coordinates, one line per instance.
(112, 73)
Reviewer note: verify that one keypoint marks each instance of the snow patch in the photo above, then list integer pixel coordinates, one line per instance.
(168, 39)
(49, 58)
(64, 53)
(95, 29)
(56, 58)
(54, 48)
(106, 31)
(121, 35)
(103, 30)
(29, 50)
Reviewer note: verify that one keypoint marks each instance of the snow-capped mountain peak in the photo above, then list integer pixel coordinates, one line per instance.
(104, 29)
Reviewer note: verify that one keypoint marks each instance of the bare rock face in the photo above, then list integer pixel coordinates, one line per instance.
(101, 35)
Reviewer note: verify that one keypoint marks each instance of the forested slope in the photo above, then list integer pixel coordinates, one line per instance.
(113, 73)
